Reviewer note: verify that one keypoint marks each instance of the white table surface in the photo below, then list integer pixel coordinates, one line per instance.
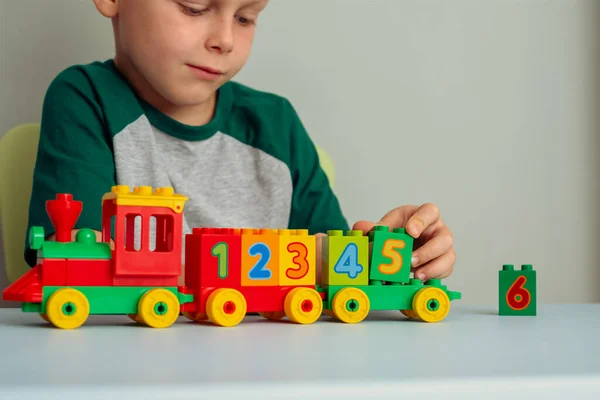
(472, 354)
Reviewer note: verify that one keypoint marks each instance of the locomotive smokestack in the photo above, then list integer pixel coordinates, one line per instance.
(63, 212)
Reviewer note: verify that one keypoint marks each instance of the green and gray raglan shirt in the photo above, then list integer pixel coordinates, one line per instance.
(253, 165)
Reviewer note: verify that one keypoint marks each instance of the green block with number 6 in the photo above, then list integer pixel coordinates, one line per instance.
(392, 254)
(345, 258)
(517, 290)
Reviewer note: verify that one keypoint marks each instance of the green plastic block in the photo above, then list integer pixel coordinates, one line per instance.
(113, 299)
(345, 258)
(31, 307)
(392, 254)
(391, 297)
(517, 290)
(84, 247)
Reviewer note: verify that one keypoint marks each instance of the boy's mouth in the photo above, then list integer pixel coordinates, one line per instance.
(205, 72)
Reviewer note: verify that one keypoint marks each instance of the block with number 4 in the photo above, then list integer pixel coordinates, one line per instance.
(392, 253)
(517, 290)
(345, 259)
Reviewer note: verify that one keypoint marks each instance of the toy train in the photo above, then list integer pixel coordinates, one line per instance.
(228, 272)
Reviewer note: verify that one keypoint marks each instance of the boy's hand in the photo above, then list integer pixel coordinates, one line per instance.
(434, 254)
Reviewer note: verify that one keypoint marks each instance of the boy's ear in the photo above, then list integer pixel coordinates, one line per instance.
(108, 8)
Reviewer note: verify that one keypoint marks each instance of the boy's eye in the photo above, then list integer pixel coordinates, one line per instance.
(244, 20)
(194, 12)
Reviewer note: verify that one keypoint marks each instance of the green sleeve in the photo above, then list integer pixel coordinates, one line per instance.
(74, 155)
(314, 205)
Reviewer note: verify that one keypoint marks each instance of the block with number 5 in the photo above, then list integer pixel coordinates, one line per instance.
(392, 253)
(345, 258)
(517, 290)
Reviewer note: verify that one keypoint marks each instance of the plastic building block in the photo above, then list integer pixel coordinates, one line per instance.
(88, 273)
(84, 247)
(391, 254)
(64, 213)
(166, 197)
(517, 290)
(27, 289)
(297, 258)
(74, 304)
(54, 272)
(430, 301)
(345, 258)
(260, 257)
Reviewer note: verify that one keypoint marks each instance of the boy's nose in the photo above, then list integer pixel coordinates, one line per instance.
(221, 37)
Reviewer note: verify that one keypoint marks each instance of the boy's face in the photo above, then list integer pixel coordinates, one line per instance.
(182, 50)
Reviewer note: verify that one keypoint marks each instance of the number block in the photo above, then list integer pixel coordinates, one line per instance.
(391, 254)
(214, 260)
(345, 259)
(517, 290)
(260, 257)
(297, 258)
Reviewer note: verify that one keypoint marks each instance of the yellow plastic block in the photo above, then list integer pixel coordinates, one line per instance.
(260, 257)
(345, 259)
(297, 258)
(143, 196)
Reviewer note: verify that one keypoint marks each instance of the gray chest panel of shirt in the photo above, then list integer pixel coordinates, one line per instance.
(229, 184)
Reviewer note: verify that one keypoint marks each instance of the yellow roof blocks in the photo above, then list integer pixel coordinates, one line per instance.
(145, 197)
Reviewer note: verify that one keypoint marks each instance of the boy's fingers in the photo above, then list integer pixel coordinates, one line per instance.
(364, 226)
(425, 216)
(398, 216)
(432, 249)
(439, 268)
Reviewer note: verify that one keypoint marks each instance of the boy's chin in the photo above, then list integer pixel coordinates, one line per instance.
(187, 98)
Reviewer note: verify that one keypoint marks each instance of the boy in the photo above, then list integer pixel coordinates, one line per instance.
(165, 112)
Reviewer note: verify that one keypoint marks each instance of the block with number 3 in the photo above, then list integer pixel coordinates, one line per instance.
(345, 258)
(297, 258)
(392, 254)
(517, 290)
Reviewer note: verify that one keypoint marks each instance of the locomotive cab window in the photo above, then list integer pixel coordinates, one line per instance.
(161, 237)
(133, 232)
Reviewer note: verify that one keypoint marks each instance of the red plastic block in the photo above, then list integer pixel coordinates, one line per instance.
(53, 271)
(213, 260)
(137, 256)
(27, 289)
(64, 213)
(83, 272)
(258, 298)
(220, 260)
(145, 281)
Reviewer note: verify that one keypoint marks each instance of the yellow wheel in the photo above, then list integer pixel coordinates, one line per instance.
(410, 314)
(67, 308)
(303, 305)
(226, 307)
(45, 317)
(136, 318)
(274, 315)
(195, 316)
(329, 312)
(158, 308)
(351, 305)
(431, 304)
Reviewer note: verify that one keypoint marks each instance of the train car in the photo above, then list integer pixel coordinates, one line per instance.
(228, 272)
(236, 271)
(137, 276)
(372, 272)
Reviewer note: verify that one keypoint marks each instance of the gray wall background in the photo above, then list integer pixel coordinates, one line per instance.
(488, 109)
